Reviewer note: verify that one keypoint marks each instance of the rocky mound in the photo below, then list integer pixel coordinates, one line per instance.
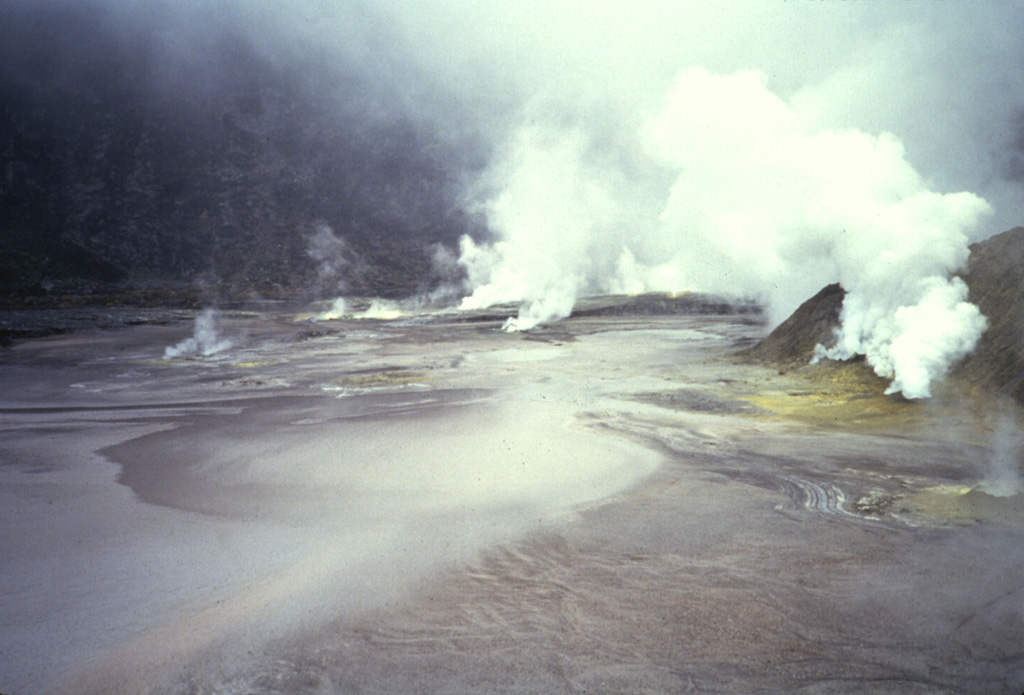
(995, 277)
(792, 342)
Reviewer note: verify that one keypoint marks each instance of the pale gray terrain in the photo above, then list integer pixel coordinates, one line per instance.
(426, 504)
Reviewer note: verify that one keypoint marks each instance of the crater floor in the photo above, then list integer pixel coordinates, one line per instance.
(428, 504)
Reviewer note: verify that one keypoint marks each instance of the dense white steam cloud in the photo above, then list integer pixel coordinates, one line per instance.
(564, 229)
(729, 180)
(773, 204)
(758, 200)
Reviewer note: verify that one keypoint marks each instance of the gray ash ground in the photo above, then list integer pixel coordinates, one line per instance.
(428, 504)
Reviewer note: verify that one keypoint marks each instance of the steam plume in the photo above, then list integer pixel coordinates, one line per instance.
(205, 340)
(1003, 478)
(757, 199)
(335, 311)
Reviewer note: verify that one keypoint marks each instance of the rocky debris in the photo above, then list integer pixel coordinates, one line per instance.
(875, 504)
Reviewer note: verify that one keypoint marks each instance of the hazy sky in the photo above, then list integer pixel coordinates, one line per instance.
(946, 78)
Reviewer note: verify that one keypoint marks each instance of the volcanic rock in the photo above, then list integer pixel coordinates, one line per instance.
(995, 277)
(792, 342)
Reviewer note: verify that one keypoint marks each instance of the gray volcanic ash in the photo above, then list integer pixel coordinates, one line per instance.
(429, 504)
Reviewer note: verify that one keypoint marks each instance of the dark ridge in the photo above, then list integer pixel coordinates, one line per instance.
(687, 304)
(22, 324)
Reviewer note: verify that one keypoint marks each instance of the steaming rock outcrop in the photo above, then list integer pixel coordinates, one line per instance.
(995, 278)
(792, 342)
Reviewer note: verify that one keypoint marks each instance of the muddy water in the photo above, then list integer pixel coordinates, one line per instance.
(427, 504)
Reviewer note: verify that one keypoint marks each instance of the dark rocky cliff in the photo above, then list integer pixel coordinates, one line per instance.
(119, 163)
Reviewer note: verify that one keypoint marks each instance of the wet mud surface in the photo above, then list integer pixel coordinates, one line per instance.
(427, 504)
